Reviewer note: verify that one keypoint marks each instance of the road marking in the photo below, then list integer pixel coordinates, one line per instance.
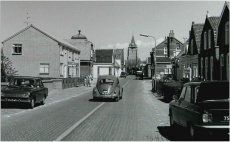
(62, 136)
(126, 84)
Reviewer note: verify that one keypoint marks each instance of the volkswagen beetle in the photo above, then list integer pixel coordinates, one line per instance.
(108, 86)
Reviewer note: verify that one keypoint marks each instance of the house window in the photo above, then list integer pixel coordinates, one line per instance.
(205, 45)
(227, 59)
(209, 38)
(221, 65)
(211, 68)
(206, 68)
(165, 51)
(227, 33)
(73, 55)
(44, 68)
(192, 46)
(17, 49)
(61, 69)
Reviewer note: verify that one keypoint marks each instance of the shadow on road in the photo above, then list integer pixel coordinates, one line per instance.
(101, 100)
(16, 106)
(179, 134)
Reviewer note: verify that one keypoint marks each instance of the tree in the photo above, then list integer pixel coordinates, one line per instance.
(133, 63)
(6, 68)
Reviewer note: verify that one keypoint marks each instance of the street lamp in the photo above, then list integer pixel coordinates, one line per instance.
(155, 56)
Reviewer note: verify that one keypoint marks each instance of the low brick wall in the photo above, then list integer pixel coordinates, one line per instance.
(63, 83)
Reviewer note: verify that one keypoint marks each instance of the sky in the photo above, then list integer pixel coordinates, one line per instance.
(109, 24)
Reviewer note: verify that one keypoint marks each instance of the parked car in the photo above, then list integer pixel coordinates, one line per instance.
(123, 74)
(202, 107)
(108, 86)
(139, 75)
(28, 90)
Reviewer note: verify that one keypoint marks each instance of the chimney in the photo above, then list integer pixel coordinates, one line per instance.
(171, 34)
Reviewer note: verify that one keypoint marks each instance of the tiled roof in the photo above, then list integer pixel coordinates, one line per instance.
(197, 28)
(55, 38)
(104, 55)
(214, 21)
(183, 48)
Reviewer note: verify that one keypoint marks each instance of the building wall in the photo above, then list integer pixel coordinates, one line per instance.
(36, 48)
(223, 48)
(132, 52)
(106, 67)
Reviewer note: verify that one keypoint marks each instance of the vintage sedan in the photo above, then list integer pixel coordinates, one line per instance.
(28, 90)
(108, 86)
(202, 107)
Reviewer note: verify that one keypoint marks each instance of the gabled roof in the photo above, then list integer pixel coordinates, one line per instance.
(183, 50)
(165, 41)
(214, 21)
(226, 5)
(197, 29)
(58, 40)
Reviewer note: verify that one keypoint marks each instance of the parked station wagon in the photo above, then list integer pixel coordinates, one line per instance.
(202, 107)
(28, 90)
(108, 86)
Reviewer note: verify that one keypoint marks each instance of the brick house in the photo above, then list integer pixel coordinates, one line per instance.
(165, 51)
(87, 52)
(189, 62)
(209, 65)
(34, 52)
(223, 42)
(106, 63)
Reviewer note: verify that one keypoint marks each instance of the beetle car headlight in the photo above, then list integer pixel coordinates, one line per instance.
(207, 117)
(26, 94)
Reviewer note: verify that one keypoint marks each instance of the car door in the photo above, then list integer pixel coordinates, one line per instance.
(184, 105)
(176, 106)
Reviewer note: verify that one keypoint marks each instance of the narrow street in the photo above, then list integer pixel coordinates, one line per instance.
(139, 116)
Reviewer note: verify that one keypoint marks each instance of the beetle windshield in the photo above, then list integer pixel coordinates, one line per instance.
(106, 81)
(213, 91)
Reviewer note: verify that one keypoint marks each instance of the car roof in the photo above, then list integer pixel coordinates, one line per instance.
(107, 77)
(204, 82)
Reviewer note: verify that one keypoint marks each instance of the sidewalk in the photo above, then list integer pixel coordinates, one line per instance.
(61, 94)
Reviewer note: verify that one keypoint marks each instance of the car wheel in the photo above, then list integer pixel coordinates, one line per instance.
(32, 103)
(43, 100)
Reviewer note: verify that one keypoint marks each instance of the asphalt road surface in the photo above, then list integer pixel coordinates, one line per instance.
(139, 116)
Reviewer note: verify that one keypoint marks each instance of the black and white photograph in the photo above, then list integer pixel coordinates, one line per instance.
(129, 70)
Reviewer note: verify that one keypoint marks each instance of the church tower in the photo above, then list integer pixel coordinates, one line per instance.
(132, 50)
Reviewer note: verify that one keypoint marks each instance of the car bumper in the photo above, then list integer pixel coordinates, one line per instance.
(221, 129)
(106, 96)
(23, 100)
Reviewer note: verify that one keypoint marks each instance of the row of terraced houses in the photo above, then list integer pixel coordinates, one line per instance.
(203, 56)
